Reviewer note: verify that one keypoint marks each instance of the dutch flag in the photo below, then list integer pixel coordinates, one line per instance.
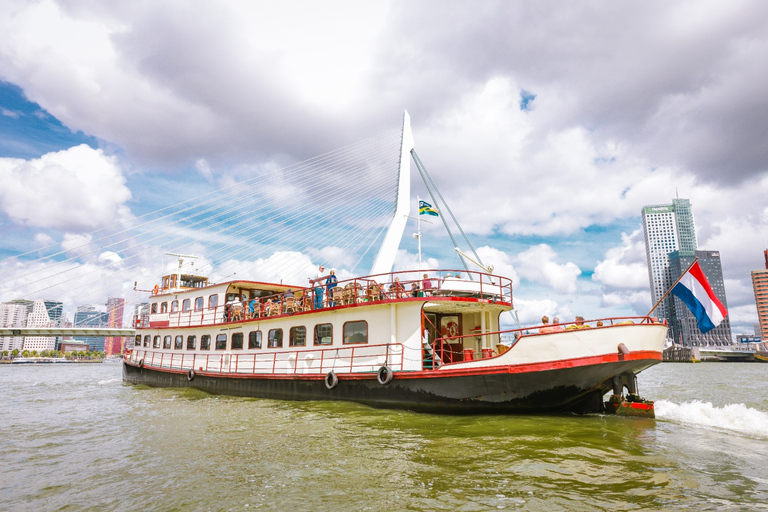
(694, 290)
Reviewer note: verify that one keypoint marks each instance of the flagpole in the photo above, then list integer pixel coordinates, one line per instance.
(673, 285)
(418, 227)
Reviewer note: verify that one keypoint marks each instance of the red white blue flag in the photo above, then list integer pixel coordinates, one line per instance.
(694, 290)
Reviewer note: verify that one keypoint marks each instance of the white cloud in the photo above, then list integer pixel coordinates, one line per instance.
(537, 264)
(77, 188)
(77, 244)
(624, 267)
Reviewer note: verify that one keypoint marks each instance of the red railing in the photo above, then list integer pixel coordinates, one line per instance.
(347, 359)
(360, 290)
(444, 347)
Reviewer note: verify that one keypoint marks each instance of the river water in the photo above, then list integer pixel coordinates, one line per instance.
(74, 437)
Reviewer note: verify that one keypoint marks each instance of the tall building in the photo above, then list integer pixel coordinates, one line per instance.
(760, 285)
(682, 323)
(39, 318)
(88, 316)
(115, 311)
(667, 228)
(12, 315)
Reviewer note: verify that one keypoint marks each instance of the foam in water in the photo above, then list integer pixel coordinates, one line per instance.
(732, 417)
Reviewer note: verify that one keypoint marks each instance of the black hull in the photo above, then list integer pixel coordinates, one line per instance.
(495, 390)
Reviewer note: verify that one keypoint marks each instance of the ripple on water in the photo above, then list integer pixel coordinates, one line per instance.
(83, 440)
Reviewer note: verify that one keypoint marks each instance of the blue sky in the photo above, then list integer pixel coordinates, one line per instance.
(547, 134)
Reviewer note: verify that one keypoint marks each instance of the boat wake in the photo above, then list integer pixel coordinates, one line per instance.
(731, 418)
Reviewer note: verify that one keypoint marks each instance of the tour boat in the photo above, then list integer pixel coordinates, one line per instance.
(429, 340)
(372, 340)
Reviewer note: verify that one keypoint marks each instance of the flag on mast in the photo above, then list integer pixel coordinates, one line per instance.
(694, 290)
(426, 209)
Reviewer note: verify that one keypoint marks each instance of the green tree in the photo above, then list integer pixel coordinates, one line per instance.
(15, 352)
(25, 353)
(5, 354)
(43, 353)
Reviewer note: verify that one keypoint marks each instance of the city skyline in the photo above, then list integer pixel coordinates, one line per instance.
(545, 155)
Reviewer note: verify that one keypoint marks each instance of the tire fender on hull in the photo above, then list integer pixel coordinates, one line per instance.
(331, 380)
(384, 375)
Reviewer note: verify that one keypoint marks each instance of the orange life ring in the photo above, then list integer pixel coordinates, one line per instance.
(453, 329)
(155, 290)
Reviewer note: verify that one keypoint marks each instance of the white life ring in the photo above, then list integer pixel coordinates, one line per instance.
(453, 329)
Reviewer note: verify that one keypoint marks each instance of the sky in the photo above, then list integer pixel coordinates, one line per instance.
(546, 125)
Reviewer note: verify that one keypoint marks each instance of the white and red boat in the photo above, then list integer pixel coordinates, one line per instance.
(370, 340)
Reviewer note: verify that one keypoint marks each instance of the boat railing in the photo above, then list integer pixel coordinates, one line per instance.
(349, 359)
(360, 290)
(444, 350)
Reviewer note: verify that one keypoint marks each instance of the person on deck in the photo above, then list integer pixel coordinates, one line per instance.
(546, 327)
(426, 285)
(396, 289)
(331, 283)
(317, 282)
(555, 327)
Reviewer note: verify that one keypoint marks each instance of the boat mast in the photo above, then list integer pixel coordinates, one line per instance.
(385, 259)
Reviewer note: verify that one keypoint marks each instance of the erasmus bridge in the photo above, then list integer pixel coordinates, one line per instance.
(346, 209)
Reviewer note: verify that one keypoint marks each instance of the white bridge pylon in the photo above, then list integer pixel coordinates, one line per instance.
(385, 259)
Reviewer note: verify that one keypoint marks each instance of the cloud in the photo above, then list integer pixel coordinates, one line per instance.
(624, 267)
(537, 264)
(78, 188)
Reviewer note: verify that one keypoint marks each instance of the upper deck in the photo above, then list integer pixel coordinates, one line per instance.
(235, 301)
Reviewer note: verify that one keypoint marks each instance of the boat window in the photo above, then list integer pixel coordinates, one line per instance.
(323, 334)
(164, 307)
(356, 332)
(213, 300)
(237, 341)
(275, 338)
(205, 342)
(297, 336)
(137, 341)
(174, 306)
(199, 301)
(146, 340)
(154, 308)
(185, 305)
(156, 342)
(167, 342)
(221, 342)
(178, 343)
(191, 342)
(254, 339)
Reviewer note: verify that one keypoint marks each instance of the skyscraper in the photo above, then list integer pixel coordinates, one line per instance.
(670, 247)
(12, 315)
(667, 228)
(115, 310)
(682, 323)
(39, 318)
(87, 316)
(760, 285)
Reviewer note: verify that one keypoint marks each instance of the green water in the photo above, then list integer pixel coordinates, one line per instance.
(76, 438)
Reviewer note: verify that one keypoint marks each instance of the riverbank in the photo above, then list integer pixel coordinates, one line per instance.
(47, 360)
